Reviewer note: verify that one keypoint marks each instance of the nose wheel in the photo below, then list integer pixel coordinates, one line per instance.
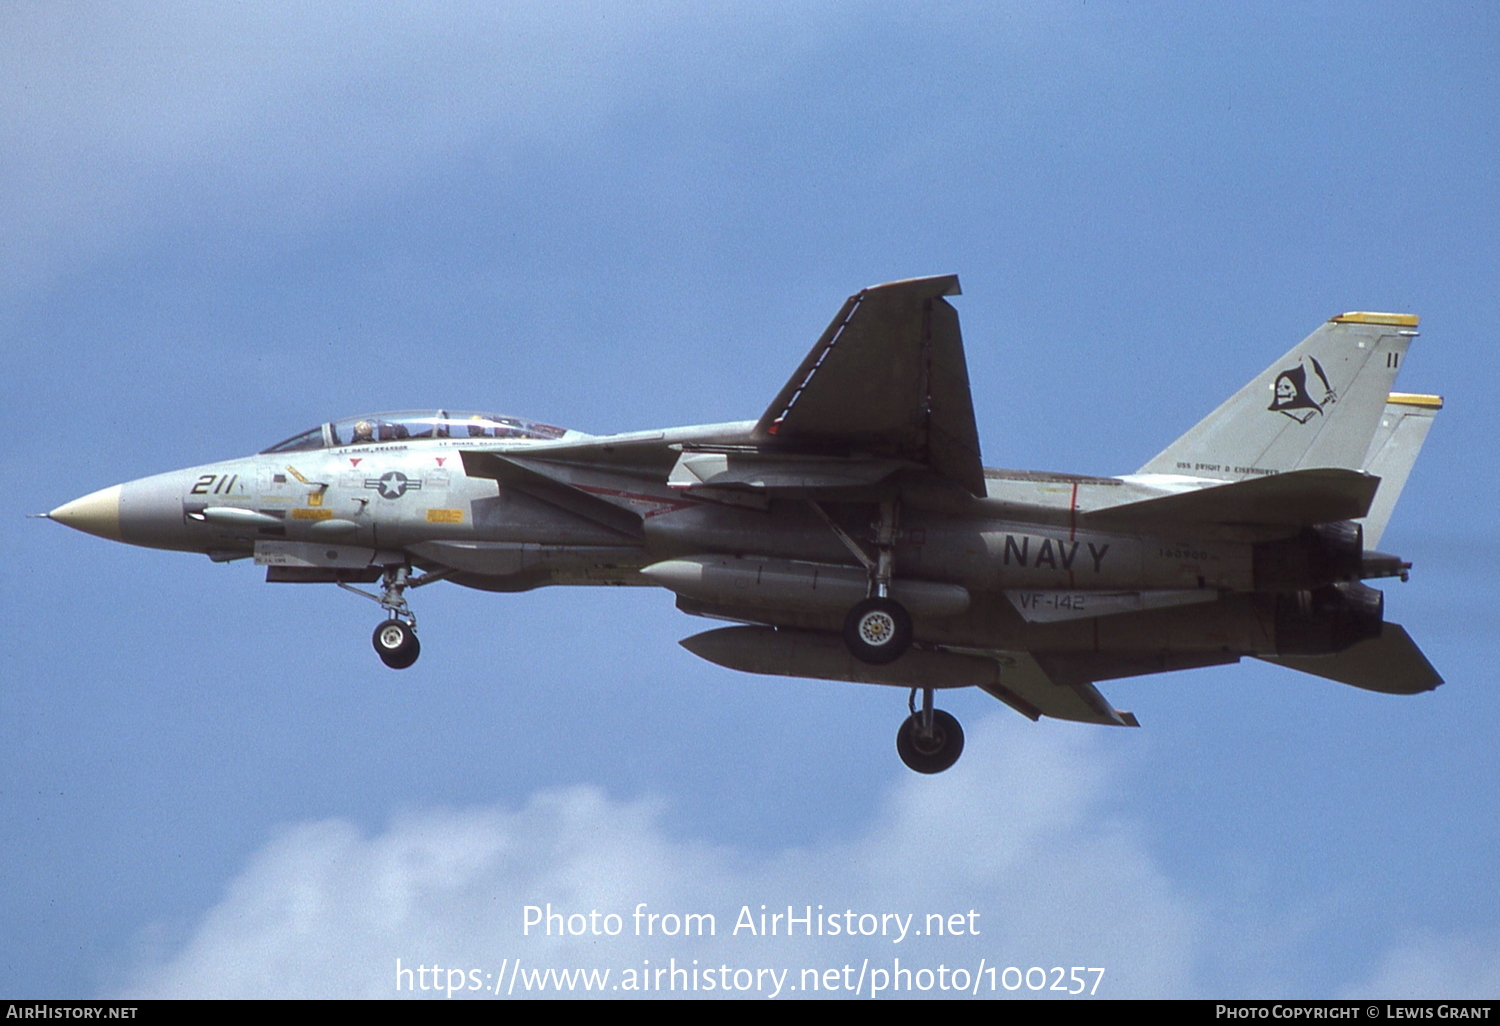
(931, 740)
(396, 643)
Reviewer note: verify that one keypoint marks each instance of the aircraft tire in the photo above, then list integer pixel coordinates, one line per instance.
(396, 643)
(877, 631)
(934, 754)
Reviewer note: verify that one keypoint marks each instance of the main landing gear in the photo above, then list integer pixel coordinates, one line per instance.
(878, 629)
(931, 740)
(395, 639)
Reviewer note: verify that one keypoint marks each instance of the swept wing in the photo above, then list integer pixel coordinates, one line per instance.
(887, 378)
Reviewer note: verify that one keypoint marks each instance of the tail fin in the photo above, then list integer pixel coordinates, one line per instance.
(1398, 439)
(1317, 406)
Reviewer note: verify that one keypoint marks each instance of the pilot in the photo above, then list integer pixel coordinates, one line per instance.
(364, 432)
(476, 427)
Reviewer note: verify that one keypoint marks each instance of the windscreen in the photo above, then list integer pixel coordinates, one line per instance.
(373, 428)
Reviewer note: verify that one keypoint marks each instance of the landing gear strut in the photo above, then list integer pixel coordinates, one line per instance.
(395, 639)
(878, 629)
(931, 740)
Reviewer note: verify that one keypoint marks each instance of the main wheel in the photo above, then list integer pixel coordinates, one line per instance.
(877, 631)
(396, 643)
(934, 752)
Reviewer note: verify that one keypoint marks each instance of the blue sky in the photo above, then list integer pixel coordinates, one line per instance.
(222, 224)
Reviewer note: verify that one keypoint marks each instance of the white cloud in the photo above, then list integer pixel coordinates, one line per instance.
(1020, 831)
(1436, 968)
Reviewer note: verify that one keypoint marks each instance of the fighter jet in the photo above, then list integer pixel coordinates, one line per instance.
(852, 532)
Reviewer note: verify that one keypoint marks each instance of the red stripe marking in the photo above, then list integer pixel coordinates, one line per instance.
(670, 505)
(1073, 529)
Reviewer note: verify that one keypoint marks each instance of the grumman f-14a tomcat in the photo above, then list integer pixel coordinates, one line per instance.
(851, 532)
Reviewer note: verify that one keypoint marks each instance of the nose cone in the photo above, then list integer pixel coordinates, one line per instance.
(95, 513)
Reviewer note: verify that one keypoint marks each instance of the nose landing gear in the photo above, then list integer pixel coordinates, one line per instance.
(929, 741)
(395, 639)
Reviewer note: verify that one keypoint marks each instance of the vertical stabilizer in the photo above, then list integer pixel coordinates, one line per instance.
(1398, 439)
(1318, 406)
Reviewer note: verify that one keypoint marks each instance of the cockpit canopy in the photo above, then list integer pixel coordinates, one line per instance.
(417, 424)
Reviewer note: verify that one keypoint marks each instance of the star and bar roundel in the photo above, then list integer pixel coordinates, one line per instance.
(393, 484)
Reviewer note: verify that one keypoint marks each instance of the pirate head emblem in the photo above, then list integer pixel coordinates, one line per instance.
(1293, 396)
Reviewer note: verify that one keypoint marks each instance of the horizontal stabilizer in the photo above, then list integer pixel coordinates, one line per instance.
(1391, 663)
(1297, 498)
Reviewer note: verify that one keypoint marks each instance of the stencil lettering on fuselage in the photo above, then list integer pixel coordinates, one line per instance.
(1050, 554)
